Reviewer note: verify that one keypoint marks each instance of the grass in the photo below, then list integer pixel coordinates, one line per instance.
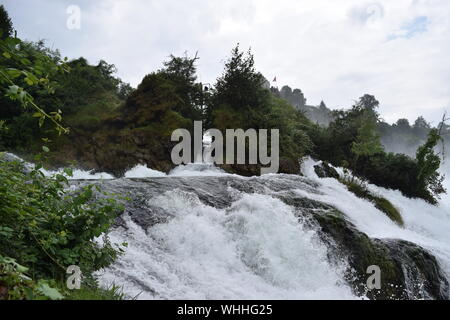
(96, 294)
(380, 203)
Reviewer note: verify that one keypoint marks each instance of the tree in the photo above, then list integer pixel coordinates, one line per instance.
(429, 178)
(22, 71)
(367, 103)
(241, 89)
(182, 73)
(124, 90)
(183, 68)
(421, 123)
(337, 141)
(6, 25)
(403, 124)
(367, 142)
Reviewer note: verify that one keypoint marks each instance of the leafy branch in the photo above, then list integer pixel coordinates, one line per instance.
(19, 68)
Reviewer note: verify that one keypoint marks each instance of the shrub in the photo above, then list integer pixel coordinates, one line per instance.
(47, 228)
(16, 285)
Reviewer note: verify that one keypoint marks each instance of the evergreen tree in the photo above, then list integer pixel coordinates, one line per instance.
(240, 91)
(182, 72)
(6, 25)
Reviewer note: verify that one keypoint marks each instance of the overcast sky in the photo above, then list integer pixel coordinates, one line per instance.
(334, 50)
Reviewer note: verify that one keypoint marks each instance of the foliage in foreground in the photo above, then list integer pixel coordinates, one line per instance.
(47, 228)
(15, 284)
(43, 225)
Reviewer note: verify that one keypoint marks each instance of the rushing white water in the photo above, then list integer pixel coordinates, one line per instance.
(189, 170)
(254, 250)
(197, 170)
(78, 174)
(142, 171)
(425, 224)
(257, 249)
(139, 171)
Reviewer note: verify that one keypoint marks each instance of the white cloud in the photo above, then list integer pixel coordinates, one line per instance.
(332, 50)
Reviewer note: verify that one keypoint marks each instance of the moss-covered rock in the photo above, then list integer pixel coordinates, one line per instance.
(407, 270)
(382, 204)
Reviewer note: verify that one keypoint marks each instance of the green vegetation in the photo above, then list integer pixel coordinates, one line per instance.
(47, 229)
(96, 293)
(360, 190)
(239, 100)
(114, 127)
(351, 141)
(44, 228)
(429, 178)
(6, 25)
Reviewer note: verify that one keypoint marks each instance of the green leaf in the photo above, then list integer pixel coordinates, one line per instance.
(13, 73)
(7, 55)
(29, 81)
(25, 61)
(49, 292)
(45, 149)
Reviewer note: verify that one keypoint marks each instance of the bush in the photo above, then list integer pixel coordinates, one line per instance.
(46, 228)
(16, 285)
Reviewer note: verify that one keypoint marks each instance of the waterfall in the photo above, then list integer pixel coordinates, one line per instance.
(200, 233)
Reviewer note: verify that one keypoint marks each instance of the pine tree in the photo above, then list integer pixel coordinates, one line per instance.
(6, 25)
(240, 90)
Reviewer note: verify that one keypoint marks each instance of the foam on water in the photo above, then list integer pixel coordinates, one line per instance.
(142, 171)
(139, 171)
(425, 224)
(78, 174)
(197, 170)
(254, 250)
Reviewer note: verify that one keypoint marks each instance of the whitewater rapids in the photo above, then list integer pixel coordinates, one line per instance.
(254, 246)
(200, 233)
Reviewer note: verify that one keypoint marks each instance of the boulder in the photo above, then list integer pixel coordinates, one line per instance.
(324, 170)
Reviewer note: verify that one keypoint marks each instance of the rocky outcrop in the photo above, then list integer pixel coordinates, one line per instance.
(407, 270)
(324, 170)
